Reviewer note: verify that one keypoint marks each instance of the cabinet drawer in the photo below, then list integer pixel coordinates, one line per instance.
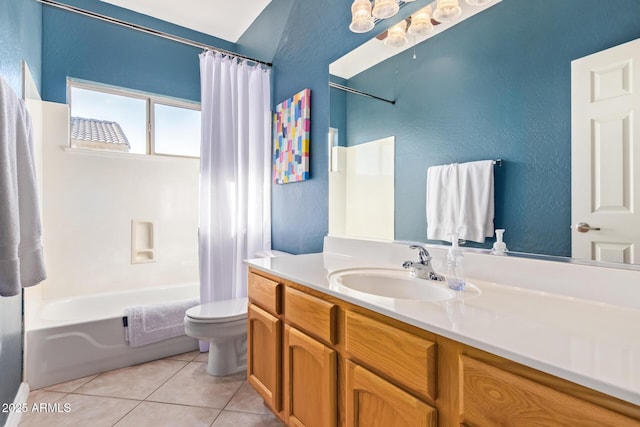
(311, 314)
(265, 293)
(492, 396)
(408, 359)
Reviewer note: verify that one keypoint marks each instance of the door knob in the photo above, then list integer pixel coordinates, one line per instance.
(583, 227)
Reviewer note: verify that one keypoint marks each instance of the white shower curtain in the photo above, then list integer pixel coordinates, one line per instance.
(235, 171)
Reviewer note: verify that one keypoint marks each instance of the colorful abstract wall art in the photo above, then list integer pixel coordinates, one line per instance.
(291, 130)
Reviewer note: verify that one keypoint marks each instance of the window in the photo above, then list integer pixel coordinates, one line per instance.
(115, 119)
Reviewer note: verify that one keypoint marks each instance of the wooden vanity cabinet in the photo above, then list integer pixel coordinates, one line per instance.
(319, 361)
(264, 339)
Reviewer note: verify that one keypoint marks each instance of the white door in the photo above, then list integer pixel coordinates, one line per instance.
(605, 153)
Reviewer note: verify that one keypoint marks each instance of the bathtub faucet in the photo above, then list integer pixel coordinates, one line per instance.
(422, 269)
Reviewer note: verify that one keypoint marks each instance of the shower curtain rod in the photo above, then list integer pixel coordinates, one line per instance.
(148, 30)
(358, 92)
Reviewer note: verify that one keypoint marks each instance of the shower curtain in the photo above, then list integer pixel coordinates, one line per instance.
(235, 171)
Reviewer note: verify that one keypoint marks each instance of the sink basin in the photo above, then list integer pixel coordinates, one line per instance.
(389, 283)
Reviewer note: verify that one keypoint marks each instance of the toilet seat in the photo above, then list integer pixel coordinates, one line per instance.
(219, 311)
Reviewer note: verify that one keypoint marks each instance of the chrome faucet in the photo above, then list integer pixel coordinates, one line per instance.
(422, 269)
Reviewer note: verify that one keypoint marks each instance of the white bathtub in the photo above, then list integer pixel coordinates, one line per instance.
(75, 337)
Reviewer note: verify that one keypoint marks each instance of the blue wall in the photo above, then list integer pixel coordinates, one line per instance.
(479, 107)
(20, 39)
(86, 48)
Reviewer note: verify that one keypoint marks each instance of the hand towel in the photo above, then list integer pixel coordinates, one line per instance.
(442, 201)
(21, 260)
(151, 323)
(475, 180)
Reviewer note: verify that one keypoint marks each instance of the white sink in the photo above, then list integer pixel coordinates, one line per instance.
(389, 283)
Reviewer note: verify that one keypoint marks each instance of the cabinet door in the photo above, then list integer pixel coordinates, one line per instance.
(310, 378)
(492, 396)
(264, 357)
(374, 402)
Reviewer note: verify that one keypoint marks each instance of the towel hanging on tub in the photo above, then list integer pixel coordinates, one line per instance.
(146, 324)
(21, 260)
(460, 199)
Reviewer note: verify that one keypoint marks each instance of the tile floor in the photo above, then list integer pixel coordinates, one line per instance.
(175, 392)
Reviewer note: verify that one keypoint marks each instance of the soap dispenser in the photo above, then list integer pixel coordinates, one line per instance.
(499, 247)
(455, 271)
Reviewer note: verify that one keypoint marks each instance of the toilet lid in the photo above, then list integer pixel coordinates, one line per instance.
(220, 311)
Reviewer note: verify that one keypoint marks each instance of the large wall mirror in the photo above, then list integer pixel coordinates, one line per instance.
(496, 86)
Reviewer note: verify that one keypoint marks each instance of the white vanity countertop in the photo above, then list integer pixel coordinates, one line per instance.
(587, 342)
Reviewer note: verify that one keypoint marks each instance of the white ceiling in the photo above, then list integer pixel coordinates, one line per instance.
(224, 19)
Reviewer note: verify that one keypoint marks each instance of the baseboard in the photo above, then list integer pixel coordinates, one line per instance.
(21, 399)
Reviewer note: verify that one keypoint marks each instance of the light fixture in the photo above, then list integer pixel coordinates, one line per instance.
(361, 19)
(447, 10)
(397, 35)
(383, 9)
(478, 2)
(421, 22)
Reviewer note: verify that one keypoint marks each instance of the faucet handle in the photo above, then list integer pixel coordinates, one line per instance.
(422, 253)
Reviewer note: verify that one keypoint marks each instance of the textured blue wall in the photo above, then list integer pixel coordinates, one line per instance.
(316, 34)
(90, 49)
(20, 39)
(495, 86)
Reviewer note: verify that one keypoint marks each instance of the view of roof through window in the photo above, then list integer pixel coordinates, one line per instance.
(106, 120)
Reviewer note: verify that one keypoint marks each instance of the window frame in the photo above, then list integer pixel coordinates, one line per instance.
(150, 100)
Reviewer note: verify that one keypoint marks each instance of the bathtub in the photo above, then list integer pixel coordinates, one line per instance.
(74, 337)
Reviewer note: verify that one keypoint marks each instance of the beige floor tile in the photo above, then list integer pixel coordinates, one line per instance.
(247, 399)
(202, 357)
(44, 396)
(187, 357)
(70, 386)
(194, 386)
(235, 419)
(153, 414)
(133, 382)
(75, 410)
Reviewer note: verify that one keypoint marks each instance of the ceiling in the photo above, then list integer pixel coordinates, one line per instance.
(227, 20)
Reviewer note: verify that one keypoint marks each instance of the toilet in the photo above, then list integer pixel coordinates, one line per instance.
(224, 325)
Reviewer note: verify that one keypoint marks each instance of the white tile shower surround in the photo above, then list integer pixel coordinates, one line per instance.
(176, 392)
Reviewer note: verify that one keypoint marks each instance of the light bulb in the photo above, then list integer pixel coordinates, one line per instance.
(477, 2)
(447, 10)
(383, 9)
(361, 19)
(421, 22)
(397, 35)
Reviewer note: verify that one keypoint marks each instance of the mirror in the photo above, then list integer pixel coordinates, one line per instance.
(495, 86)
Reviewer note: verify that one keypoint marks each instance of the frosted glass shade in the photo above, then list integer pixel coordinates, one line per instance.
(383, 9)
(361, 19)
(447, 10)
(421, 22)
(397, 35)
(477, 2)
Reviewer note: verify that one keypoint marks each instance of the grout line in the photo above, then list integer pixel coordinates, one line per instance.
(171, 376)
(130, 411)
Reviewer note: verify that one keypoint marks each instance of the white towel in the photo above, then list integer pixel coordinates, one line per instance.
(475, 180)
(21, 260)
(443, 203)
(151, 323)
(460, 200)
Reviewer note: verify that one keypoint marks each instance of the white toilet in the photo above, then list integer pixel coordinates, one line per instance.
(224, 324)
